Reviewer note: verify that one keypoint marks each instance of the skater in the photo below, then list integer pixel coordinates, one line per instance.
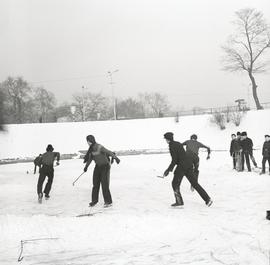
(232, 149)
(47, 170)
(192, 150)
(266, 153)
(235, 148)
(247, 151)
(101, 174)
(183, 168)
(37, 161)
(238, 152)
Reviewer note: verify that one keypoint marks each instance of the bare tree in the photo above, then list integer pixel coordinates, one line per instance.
(89, 106)
(64, 112)
(18, 94)
(130, 108)
(44, 102)
(155, 103)
(245, 49)
(95, 106)
(78, 99)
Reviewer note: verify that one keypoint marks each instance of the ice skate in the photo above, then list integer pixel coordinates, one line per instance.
(209, 203)
(40, 198)
(177, 205)
(92, 204)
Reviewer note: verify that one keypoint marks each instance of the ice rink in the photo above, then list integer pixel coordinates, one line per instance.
(141, 227)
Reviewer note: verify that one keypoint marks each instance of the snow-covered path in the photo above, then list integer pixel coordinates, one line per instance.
(140, 228)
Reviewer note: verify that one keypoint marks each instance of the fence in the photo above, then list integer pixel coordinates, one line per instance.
(200, 111)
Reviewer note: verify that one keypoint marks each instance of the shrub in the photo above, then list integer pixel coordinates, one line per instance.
(219, 119)
(236, 117)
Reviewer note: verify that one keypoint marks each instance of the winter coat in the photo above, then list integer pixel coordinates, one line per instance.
(235, 146)
(37, 161)
(48, 158)
(247, 145)
(179, 156)
(193, 146)
(266, 149)
(99, 154)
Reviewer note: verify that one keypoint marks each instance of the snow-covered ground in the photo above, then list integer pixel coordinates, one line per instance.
(140, 228)
(31, 139)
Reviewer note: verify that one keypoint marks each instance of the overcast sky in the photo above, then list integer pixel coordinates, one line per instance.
(166, 46)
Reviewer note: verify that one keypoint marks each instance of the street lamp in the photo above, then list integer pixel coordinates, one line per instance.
(110, 73)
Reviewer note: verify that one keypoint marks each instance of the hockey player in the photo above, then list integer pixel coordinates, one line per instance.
(247, 151)
(183, 168)
(238, 152)
(235, 148)
(192, 150)
(37, 161)
(47, 170)
(232, 149)
(266, 153)
(101, 174)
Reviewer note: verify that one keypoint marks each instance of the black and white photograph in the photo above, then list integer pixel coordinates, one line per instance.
(135, 132)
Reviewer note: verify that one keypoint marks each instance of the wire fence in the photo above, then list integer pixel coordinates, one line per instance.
(200, 111)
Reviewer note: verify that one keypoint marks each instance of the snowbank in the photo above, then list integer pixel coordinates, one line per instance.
(28, 140)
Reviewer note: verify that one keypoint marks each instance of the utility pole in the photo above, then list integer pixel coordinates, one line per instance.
(83, 103)
(110, 73)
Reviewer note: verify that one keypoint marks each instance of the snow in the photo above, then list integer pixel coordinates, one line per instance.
(141, 227)
(28, 140)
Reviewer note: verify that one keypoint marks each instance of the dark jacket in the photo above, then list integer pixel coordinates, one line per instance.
(37, 160)
(99, 154)
(48, 158)
(247, 145)
(179, 156)
(193, 146)
(266, 149)
(235, 146)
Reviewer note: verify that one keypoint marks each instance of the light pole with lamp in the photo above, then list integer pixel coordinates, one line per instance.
(110, 73)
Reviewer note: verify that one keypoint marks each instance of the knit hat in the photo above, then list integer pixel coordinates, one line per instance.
(91, 139)
(49, 148)
(267, 135)
(194, 137)
(244, 134)
(168, 136)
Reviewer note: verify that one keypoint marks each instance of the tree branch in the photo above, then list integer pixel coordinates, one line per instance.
(261, 51)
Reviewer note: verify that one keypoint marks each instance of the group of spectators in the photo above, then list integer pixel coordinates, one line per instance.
(241, 150)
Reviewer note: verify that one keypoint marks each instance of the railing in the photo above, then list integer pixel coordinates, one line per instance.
(200, 111)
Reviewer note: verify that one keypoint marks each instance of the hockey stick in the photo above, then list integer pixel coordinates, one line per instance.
(77, 179)
(161, 177)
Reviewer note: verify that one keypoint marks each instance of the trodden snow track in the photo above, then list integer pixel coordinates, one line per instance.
(141, 227)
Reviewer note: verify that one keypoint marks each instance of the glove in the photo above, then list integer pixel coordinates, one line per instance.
(85, 169)
(117, 160)
(112, 158)
(208, 157)
(57, 163)
(166, 173)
